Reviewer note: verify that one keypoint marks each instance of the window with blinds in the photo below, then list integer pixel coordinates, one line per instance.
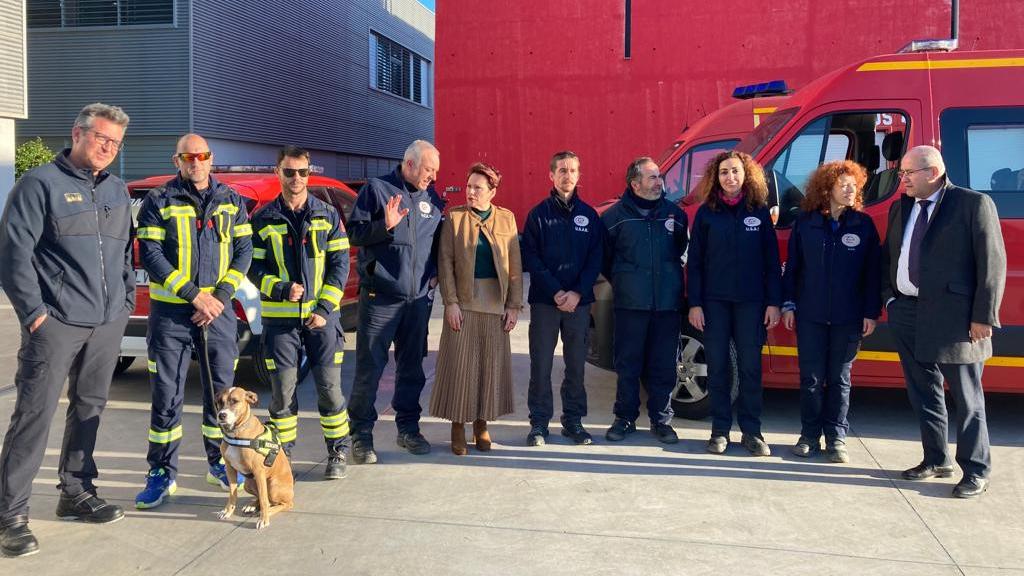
(397, 70)
(81, 13)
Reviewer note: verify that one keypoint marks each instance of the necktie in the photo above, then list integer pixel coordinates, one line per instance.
(916, 238)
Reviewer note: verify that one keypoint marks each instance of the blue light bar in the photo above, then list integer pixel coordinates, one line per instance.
(773, 88)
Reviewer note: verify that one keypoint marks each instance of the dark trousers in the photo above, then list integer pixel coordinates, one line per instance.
(826, 354)
(381, 322)
(645, 346)
(924, 387)
(743, 323)
(324, 351)
(546, 322)
(53, 353)
(171, 340)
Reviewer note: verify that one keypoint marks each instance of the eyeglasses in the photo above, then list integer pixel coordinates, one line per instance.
(105, 141)
(188, 157)
(291, 172)
(905, 173)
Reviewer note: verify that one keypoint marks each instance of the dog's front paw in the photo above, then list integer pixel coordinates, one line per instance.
(250, 509)
(226, 513)
(263, 522)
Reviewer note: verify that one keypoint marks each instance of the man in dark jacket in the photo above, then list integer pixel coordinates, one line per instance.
(646, 240)
(562, 251)
(943, 276)
(395, 224)
(66, 238)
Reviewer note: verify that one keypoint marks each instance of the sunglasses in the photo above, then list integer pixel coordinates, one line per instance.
(291, 172)
(189, 157)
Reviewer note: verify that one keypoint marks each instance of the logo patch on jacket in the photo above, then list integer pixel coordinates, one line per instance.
(581, 223)
(425, 208)
(751, 222)
(670, 224)
(73, 197)
(851, 240)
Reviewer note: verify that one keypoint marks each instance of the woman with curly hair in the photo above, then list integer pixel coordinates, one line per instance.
(733, 286)
(831, 292)
(480, 276)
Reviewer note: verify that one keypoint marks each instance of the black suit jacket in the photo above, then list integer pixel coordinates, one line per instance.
(963, 274)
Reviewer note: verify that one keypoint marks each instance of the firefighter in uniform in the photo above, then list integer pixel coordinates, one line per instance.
(195, 243)
(300, 264)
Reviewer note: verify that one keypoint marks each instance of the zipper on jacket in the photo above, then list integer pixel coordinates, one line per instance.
(654, 266)
(103, 269)
(412, 240)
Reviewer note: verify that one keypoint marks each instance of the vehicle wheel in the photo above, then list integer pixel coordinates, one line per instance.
(690, 398)
(259, 365)
(123, 363)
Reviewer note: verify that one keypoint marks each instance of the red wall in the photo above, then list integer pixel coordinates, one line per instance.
(519, 80)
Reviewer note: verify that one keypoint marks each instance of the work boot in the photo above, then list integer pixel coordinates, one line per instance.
(16, 539)
(537, 435)
(88, 507)
(576, 432)
(805, 446)
(481, 437)
(755, 445)
(414, 442)
(664, 433)
(718, 443)
(362, 450)
(336, 468)
(459, 439)
(837, 452)
(619, 429)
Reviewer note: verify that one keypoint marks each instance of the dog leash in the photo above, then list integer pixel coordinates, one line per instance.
(204, 364)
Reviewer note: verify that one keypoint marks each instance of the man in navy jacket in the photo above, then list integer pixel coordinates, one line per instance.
(562, 251)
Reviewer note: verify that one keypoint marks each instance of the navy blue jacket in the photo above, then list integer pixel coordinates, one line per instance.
(66, 242)
(734, 256)
(400, 262)
(834, 277)
(563, 247)
(643, 255)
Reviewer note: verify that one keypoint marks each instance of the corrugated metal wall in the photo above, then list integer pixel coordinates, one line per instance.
(298, 72)
(12, 60)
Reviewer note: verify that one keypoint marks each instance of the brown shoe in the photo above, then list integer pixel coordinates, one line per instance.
(480, 435)
(459, 439)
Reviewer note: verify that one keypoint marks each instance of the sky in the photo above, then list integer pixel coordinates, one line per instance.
(428, 4)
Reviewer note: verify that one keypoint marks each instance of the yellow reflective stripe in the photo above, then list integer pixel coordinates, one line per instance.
(267, 285)
(286, 309)
(235, 367)
(233, 277)
(941, 64)
(339, 431)
(212, 432)
(768, 110)
(288, 435)
(334, 419)
(880, 356)
(175, 281)
(285, 423)
(270, 364)
(169, 212)
(273, 229)
(338, 244)
(225, 250)
(277, 247)
(242, 230)
(259, 253)
(159, 437)
(319, 224)
(160, 294)
(318, 262)
(151, 366)
(226, 209)
(339, 357)
(331, 294)
(152, 233)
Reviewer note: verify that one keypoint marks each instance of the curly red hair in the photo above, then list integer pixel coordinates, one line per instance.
(821, 182)
(755, 187)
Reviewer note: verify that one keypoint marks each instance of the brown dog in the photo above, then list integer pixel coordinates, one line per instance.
(245, 448)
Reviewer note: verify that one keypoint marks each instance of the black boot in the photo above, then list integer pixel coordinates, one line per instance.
(15, 537)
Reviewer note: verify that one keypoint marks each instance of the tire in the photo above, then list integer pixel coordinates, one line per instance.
(259, 365)
(690, 397)
(123, 363)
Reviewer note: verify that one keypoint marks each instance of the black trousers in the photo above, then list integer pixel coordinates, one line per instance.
(53, 353)
(546, 322)
(924, 387)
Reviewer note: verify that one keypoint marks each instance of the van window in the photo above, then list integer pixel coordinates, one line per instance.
(847, 136)
(984, 150)
(753, 143)
(683, 176)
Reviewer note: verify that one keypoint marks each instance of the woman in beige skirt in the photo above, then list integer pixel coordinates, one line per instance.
(481, 279)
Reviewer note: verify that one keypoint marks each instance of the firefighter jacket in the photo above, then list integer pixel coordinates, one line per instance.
(192, 241)
(315, 256)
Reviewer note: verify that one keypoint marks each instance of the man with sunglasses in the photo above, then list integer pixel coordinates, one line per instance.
(196, 243)
(66, 240)
(300, 264)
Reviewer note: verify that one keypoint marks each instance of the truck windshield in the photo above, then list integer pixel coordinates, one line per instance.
(763, 134)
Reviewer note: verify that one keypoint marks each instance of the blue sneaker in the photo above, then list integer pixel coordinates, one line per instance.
(158, 486)
(218, 476)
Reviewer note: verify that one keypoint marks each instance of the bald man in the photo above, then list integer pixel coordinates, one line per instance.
(945, 271)
(195, 242)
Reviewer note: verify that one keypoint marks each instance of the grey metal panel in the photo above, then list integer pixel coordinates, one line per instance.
(298, 72)
(143, 69)
(145, 156)
(13, 102)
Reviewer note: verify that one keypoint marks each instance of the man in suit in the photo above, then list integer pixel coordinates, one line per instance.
(945, 266)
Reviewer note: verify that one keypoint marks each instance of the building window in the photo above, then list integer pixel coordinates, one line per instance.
(397, 70)
(80, 13)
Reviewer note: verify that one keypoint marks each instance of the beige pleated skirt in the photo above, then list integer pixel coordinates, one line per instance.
(473, 379)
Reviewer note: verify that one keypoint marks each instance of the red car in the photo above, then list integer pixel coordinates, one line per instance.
(258, 185)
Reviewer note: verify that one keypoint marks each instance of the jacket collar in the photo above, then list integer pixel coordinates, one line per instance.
(556, 200)
(63, 161)
(314, 207)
